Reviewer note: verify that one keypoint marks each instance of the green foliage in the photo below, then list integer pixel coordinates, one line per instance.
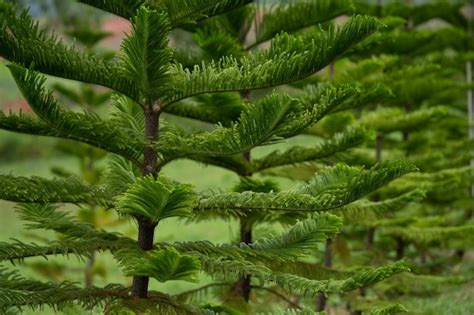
(220, 108)
(155, 199)
(393, 119)
(40, 190)
(180, 11)
(365, 212)
(48, 217)
(22, 41)
(298, 242)
(418, 284)
(340, 142)
(360, 279)
(213, 83)
(18, 251)
(388, 310)
(306, 311)
(333, 188)
(163, 265)
(252, 184)
(119, 175)
(271, 119)
(299, 15)
(301, 239)
(289, 58)
(296, 284)
(86, 97)
(423, 235)
(345, 181)
(17, 291)
(261, 124)
(421, 12)
(216, 44)
(414, 43)
(86, 127)
(87, 36)
(146, 56)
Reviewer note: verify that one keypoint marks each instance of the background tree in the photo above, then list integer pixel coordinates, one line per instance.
(420, 77)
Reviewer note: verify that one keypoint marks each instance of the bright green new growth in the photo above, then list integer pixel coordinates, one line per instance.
(155, 199)
(163, 265)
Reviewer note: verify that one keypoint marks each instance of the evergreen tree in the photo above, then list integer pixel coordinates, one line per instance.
(149, 79)
(421, 75)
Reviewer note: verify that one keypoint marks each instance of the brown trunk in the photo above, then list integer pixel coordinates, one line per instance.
(379, 146)
(423, 258)
(321, 300)
(146, 231)
(378, 158)
(400, 248)
(146, 228)
(89, 273)
(379, 8)
(243, 286)
(370, 237)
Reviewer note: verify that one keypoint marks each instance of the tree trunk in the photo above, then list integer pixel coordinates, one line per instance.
(321, 300)
(400, 248)
(243, 286)
(470, 107)
(370, 237)
(89, 272)
(378, 158)
(146, 228)
(146, 232)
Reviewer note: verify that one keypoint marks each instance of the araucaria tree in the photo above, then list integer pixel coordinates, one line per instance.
(148, 79)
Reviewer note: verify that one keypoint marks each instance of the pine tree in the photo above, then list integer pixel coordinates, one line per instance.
(418, 85)
(421, 75)
(148, 79)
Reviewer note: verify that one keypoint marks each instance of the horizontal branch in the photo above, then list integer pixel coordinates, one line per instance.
(289, 59)
(40, 190)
